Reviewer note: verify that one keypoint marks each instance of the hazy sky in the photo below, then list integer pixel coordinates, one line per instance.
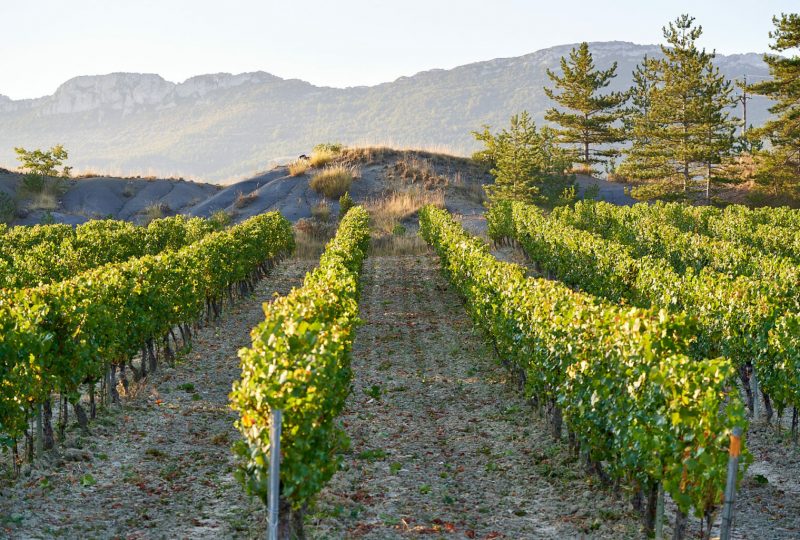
(333, 42)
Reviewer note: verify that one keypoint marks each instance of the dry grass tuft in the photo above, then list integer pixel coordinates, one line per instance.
(392, 245)
(334, 181)
(310, 237)
(415, 170)
(320, 158)
(156, 211)
(389, 211)
(298, 167)
(243, 200)
(46, 200)
(321, 211)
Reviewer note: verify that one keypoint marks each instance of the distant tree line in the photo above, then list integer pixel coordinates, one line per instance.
(674, 130)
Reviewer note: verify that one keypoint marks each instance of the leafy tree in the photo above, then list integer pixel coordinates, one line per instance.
(682, 128)
(39, 165)
(523, 159)
(780, 167)
(44, 163)
(589, 118)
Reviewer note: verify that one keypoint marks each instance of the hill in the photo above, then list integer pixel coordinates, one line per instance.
(380, 173)
(221, 126)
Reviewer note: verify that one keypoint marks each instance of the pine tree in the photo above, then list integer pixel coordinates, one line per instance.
(687, 128)
(523, 158)
(589, 118)
(780, 167)
(644, 161)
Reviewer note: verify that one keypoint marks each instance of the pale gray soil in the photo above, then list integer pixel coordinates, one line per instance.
(442, 442)
(613, 192)
(159, 466)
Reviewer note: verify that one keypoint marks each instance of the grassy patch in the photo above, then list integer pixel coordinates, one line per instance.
(156, 211)
(298, 167)
(321, 211)
(372, 455)
(332, 182)
(387, 212)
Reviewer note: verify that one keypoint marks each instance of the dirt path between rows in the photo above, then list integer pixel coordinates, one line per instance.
(442, 443)
(160, 466)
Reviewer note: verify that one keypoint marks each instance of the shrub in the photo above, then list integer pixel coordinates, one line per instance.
(399, 230)
(32, 184)
(220, 219)
(324, 154)
(155, 211)
(243, 200)
(8, 207)
(321, 211)
(333, 148)
(333, 182)
(345, 204)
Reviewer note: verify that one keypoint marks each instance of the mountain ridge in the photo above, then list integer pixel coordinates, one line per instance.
(219, 126)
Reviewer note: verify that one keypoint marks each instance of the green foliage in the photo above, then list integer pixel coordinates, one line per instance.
(299, 363)
(780, 168)
(634, 254)
(47, 253)
(329, 147)
(523, 159)
(220, 219)
(58, 335)
(679, 124)
(44, 163)
(630, 393)
(32, 183)
(345, 204)
(8, 208)
(589, 119)
(592, 192)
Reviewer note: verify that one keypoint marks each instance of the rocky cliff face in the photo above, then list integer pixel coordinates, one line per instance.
(221, 125)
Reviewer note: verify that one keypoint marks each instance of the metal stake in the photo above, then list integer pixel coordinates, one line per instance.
(274, 474)
(659, 528)
(730, 487)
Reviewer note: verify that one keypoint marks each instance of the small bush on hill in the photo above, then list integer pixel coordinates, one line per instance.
(220, 219)
(333, 182)
(345, 204)
(325, 153)
(8, 207)
(155, 211)
(321, 211)
(243, 200)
